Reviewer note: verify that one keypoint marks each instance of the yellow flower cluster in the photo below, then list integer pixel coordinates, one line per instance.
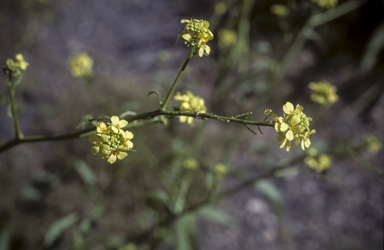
(16, 67)
(326, 3)
(317, 162)
(280, 10)
(190, 103)
(323, 93)
(293, 126)
(81, 65)
(111, 140)
(197, 34)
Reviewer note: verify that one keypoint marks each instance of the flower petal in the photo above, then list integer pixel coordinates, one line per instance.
(115, 120)
(112, 159)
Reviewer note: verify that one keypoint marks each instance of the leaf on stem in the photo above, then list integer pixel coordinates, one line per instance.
(156, 93)
(58, 228)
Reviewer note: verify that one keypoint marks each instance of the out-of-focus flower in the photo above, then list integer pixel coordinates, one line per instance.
(326, 3)
(16, 67)
(190, 103)
(293, 126)
(373, 144)
(81, 65)
(22, 64)
(220, 170)
(190, 164)
(318, 162)
(226, 38)
(220, 8)
(280, 10)
(197, 34)
(323, 92)
(111, 140)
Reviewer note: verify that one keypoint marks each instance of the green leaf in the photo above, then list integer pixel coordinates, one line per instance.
(85, 120)
(215, 215)
(58, 228)
(186, 233)
(4, 99)
(158, 200)
(270, 191)
(86, 173)
(5, 236)
(127, 113)
(156, 93)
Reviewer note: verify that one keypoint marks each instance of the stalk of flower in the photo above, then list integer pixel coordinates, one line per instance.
(111, 140)
(196, 34)
(190, 103)
(294, 125)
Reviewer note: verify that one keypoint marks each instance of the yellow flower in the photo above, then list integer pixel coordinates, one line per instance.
(111, 140)
(373, 144)
(22, 64)
(190, 164)
(197, 34)
(280, 10)
(81, 65)
(15, 67)
(227, 38)
(220, 170)
(220, 8)
(293, 126)
(317, 162)
(323, 93)
(326, 3)
(190, 103)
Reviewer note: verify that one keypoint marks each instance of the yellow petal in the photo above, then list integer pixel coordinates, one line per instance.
(186, 37)
(288, 108)
(183, 118)
(289, 146)
(295, 120)
(101, 127)
(93, 139)
(289, 135)
(122, 155)
(112, 159)
(130, 144)
(282, 143)
(128, 134)
(283, 127)
(207, 49)
(123, 123)
(307, 142)
(201, 52)
(115, 120)
(190, 120)
(95, 149)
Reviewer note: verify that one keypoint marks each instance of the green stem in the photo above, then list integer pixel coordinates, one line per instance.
(313, 22)
(169, 95)
(134, 123)
(18, 133)
(180, 200)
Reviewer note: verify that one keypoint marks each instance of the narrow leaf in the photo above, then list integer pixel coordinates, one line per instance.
(86, 173)
(58, 228)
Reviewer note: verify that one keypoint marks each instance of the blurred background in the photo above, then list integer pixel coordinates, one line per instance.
(58, 195)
